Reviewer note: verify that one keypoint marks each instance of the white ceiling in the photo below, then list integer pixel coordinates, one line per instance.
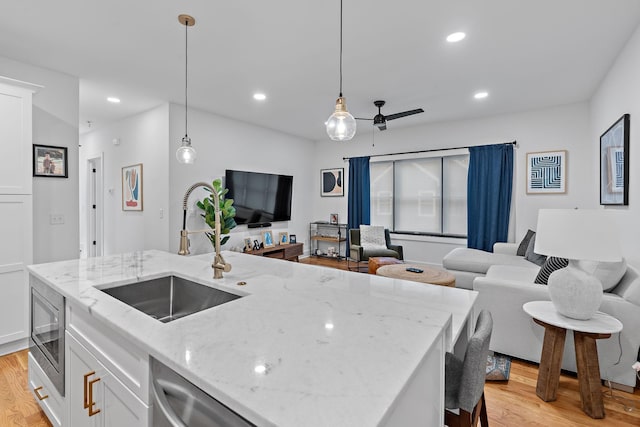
(527, 54)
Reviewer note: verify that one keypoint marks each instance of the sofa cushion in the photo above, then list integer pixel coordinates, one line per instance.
(550, 265)
(609, 273)
(524, 244)
(530, 255)
(477, 261)
(514, 273)
(372, 237)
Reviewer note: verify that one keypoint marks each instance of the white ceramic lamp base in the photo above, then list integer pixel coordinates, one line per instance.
(574, 293)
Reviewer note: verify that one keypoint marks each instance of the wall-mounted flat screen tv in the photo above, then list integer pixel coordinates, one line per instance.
(259, 197)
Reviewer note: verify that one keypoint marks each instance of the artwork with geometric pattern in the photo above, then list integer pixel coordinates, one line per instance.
(546, 172)
(614, 163)
(616, 169)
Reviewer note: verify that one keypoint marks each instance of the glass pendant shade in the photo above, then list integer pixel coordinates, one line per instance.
(341, 126)
(186, 153)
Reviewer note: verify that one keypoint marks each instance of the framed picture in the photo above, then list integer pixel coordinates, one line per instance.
(132, 188)
(50, 161)
(248, 244)
(292, 238)
(267, 239)
(614, 163)
(333, 218)
(332, 182)
(283, 237)
(547, 172)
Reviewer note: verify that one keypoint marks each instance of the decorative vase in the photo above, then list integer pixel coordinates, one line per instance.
(574, 293)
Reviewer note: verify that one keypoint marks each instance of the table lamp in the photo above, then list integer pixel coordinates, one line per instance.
(576, 234)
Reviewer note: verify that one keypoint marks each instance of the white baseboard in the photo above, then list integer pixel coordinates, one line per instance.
(14, 346)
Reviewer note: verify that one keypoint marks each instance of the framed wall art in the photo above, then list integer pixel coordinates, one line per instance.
(332, 182)
(614, 163)
(50, 161)
(132, 188)
(547, 172)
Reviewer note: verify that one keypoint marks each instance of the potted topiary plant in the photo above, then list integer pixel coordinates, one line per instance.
(227, 213)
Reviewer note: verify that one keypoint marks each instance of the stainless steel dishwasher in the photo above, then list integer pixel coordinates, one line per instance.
(178, 403)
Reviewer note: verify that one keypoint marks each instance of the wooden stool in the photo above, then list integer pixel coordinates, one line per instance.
(379, 261)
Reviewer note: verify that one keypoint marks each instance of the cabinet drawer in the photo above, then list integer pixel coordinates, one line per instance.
(45, 393)
(125, 360)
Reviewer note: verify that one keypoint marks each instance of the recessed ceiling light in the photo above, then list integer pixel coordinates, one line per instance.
(113, 99)
(456, 37)
(259, 96)
(481, 95)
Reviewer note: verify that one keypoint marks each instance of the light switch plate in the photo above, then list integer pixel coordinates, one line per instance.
(56, 219)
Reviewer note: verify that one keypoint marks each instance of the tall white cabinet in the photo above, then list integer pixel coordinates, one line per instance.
(16, 225)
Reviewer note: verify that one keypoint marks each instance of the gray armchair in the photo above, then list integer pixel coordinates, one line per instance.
(464, 379)
(359, 253)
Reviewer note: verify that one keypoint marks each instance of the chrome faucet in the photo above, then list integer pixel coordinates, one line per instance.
(219, 264)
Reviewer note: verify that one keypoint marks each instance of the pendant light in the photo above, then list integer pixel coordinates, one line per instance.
(186, 153)
(341, 126)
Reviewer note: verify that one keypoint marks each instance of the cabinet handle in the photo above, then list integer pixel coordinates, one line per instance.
(38, 395)
(86, 386)
(92, 403)
(88, 394)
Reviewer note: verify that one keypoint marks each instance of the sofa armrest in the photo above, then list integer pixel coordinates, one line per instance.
(397, 248)
(505, 248)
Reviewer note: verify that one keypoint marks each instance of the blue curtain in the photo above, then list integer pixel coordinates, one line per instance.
(489, 186)
(359, 204)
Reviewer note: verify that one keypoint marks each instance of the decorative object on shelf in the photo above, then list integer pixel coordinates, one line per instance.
(614, 163)
(248, 245)
(186, 153)
(132, 188)
(292, 238)
(333, 219)
(341, 126)
(283, 238)
(332, 181)
(227, 213)
(50, 161)
(578, 235)
(267, 239)
(547, 172)
(256, 245)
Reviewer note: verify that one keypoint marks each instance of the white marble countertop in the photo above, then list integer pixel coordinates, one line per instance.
(338, 347)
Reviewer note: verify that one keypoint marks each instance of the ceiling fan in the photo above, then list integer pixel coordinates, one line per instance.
(380, 120)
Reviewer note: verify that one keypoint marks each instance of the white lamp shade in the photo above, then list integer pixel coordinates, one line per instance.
(578, 234)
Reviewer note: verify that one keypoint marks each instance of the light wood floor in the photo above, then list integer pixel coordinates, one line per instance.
(509, 404)
(514, 403)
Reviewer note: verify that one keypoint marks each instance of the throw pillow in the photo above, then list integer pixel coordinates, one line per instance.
(372, 237)
(609, 273)
(550, 265)
(522, 247)
(530, 255)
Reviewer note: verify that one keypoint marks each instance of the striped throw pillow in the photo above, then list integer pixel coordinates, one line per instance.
(550, 265)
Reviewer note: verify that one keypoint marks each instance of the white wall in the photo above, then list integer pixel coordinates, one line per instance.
(558, 128)
(619, 93)
(55, 122)
(143, 139)
(222, 144)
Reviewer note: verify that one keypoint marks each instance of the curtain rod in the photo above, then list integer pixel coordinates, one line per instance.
(429, 151)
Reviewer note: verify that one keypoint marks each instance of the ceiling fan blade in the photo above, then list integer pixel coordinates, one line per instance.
(382, 126)
(360, 118)
(404, 114)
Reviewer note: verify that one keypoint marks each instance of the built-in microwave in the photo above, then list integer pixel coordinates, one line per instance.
(46, 323)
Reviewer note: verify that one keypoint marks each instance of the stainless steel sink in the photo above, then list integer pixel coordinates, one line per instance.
(169, 298)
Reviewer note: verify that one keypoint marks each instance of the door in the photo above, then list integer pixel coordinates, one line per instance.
(96, 397)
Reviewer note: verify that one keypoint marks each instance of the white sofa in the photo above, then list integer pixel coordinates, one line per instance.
(508, 283)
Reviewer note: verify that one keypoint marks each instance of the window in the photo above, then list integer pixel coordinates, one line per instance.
(421, 196)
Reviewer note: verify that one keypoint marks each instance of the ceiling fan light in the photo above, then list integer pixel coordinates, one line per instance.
(186, 154)
(341, 126)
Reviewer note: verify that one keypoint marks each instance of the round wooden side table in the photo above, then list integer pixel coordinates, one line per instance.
(585, 334)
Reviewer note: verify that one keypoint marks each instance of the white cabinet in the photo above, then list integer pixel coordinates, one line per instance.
(95, 396)
(16, 226)
(46, 394)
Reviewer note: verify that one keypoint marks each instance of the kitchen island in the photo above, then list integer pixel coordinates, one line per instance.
(305, 345)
